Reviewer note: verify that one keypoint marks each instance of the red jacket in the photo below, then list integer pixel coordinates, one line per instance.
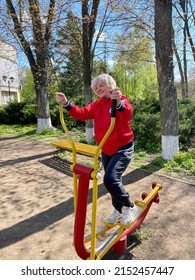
(99, 111)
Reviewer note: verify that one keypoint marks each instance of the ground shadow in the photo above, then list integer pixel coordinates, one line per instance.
(35, 224)
(11, 137)
(58, 164)
(63, 166)
(24, 159)
(139, 173)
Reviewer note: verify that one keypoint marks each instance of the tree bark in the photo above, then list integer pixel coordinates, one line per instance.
(165, 73)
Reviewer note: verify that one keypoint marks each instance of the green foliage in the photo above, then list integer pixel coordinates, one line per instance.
(186, 160)
(68, 56)
(147, 129)
(82, 139)
(187, 123)
(139, 155)
(99, 67)
(18, 113)
(23, 113)
(141, 234)
(29, 112)
(17, 129)
(134, 71)
(28, 89)
(146, 124)
(71, 122)
(3, 115)
(54, 111)
(137, 83)
(48, 132)
(13, 113)
(182, 162)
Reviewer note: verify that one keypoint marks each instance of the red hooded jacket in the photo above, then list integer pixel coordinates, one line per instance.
(99, 111)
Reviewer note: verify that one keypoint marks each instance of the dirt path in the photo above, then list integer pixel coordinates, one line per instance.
(36, 210)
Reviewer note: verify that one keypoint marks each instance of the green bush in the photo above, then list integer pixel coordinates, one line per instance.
(30, 114)
(13, 113)
(182, 162)
(18, 113)
(3, 116)
(186, 123)
(146, 124)
(147, 129)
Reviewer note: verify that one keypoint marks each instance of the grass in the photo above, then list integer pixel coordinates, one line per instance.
(28, 130)
(184, 162)
(17, 129)
(141, 234)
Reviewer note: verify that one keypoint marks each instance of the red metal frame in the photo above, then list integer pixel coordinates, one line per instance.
(84, 173)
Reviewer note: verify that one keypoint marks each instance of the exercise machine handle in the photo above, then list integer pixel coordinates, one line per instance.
(113, 109)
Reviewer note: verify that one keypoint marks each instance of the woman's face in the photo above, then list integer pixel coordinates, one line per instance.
(102, 90)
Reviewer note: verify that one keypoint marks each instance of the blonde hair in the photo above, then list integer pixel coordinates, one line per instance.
(105, 78)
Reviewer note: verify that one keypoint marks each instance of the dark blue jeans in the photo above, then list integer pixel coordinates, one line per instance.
(114, 166)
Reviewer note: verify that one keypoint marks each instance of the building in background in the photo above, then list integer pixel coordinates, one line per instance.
(9, 74)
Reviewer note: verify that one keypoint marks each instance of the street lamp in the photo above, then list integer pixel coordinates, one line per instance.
(9, 82)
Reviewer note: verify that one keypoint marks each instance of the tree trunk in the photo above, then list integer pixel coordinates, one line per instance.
(183, 93)
(38, 59)
(43, 120)
(89, 124)
(165, 73)
(40, 75)
(88, 25)
(87, 66)
(185, 65)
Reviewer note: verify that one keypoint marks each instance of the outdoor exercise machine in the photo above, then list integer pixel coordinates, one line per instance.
(81, 180)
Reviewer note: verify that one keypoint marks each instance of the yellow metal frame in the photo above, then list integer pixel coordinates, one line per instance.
(94, 176)
(74, 160)
(143, 204)
(81, 148)
(105, 247)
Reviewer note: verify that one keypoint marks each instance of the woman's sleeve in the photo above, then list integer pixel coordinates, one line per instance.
(125, 110)
(82, 114)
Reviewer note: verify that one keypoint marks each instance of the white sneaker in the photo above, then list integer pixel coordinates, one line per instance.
(130, 214)
(114, 217)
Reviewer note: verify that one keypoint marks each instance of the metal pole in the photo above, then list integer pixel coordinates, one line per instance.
(9, 88)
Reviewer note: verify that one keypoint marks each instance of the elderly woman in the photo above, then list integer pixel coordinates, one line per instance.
(118, 149)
